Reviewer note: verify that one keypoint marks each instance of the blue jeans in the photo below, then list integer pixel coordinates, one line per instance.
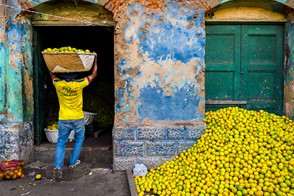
(64, 129)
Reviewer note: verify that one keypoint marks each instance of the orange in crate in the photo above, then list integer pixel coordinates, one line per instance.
(12, 169)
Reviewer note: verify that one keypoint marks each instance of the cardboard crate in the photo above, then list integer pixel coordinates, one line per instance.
(66, 62)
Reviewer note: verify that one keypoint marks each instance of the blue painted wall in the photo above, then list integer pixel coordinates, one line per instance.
(2, 64)
(16, 92)
(170, 58)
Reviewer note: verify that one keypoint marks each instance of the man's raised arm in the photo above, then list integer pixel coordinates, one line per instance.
(94, 70)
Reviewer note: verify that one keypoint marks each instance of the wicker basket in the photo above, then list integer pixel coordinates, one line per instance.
(66, 62)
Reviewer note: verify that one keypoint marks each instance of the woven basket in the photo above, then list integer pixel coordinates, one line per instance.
(67, 62)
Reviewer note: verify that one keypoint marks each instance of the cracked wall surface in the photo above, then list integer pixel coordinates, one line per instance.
(289, 72)
(159, 68)
(161, 73)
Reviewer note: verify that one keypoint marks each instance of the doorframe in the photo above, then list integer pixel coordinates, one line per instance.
(39, 119)
(40, 72)
(283, 23)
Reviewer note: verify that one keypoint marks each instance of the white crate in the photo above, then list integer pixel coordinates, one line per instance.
(89, 117)
(52, 135)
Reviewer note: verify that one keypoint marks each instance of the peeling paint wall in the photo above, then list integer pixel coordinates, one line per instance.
(289, 73)
(3, 60)
(16, 141)
(159, 75)
(159, 80)
(16, 92)
(246, 14)
(17, 67)
(82, 13)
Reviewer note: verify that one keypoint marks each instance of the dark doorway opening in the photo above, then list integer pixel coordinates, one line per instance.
(98, 96)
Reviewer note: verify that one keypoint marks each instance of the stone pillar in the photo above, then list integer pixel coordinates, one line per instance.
(16, 135)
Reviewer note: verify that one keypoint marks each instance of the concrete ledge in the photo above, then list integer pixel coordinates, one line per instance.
(124, 163)
(132, 184)
(88, 155)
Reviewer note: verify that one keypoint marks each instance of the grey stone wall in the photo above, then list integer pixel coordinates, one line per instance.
(152, 145)
(16, 141)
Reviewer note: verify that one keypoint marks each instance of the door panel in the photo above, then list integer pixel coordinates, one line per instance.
(244, 67)
(224, 91)
(261, 85)
(262, 67)
(222, 64)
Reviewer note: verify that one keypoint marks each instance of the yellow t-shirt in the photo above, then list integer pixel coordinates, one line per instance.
(70, 96)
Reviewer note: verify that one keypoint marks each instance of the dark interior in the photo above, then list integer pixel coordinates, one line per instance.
(97, 39)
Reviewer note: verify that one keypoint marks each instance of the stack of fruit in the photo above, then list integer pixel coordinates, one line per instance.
(52, 133)
(66, 49)
(242, 152)
(68, 59)
(96, 104)
(12, 169)
(53, 126)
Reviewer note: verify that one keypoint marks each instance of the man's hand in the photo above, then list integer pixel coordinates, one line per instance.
(94, 70)
(52, 75)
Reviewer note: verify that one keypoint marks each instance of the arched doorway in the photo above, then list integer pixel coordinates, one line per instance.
(245, 51)
(86, 26)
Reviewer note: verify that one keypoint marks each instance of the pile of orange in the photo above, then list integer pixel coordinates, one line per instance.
(12, 169)
(242, 152)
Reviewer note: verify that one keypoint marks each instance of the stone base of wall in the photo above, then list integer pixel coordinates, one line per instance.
(16, 141)
(152, 144)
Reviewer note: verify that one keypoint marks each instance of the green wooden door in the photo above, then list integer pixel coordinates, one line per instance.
(244, 67)
(39, 90)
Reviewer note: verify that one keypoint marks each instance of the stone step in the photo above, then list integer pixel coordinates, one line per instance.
(96, 151)
(46, 170)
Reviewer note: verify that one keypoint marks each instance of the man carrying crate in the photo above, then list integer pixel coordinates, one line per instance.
(71, 116)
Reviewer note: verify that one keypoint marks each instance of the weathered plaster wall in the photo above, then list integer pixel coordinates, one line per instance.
(3, 60)
(161, 68)
(16, 141)
(247, 14)
(82, 13)
(16, 92)
(16, 67)
(159, 78)
(289, 72)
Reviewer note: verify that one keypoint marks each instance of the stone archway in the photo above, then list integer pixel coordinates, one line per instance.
(110, 5)
(77, 25)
